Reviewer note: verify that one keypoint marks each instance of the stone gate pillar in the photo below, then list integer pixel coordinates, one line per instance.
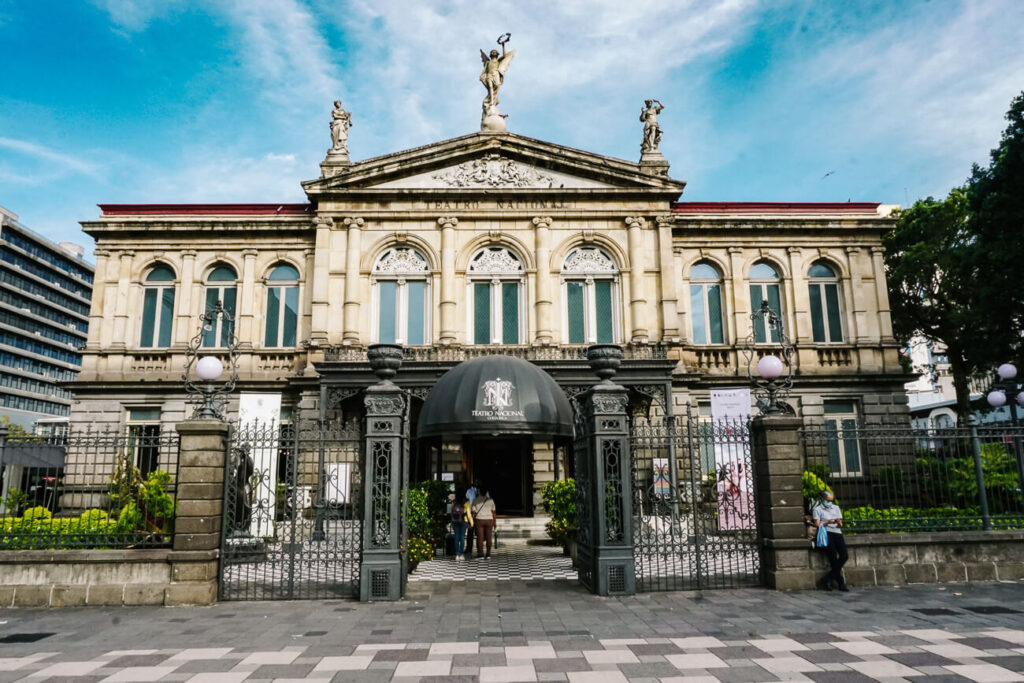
(604, 481)
(381, 568)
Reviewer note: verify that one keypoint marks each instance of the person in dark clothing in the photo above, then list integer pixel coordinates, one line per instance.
(828, 515)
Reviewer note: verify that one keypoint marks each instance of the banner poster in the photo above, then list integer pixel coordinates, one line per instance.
(730, 413)
(662, 487)
(260, 415)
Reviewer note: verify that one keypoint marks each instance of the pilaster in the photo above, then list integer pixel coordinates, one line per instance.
(246, 301)
(318, 281)
(183, 324)
(667, 281)
(124, 275)
(449, 328)
(638, 302)
(99, 291)
(352, 301)
(542, 255)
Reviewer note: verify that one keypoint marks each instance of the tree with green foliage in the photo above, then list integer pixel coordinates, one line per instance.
(933, 284)
(994, 200)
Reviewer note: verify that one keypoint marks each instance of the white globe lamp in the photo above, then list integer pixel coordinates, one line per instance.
(1006, 371)
(209, 368)
(770, 367)
(996, 398)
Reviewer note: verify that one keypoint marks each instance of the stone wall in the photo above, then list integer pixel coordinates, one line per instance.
(71, 578)
(895, 559)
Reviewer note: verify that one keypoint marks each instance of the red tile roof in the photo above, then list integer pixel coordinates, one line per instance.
(204, 209)
(775, 207)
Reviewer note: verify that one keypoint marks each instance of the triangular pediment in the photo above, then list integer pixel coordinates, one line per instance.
(484, 162)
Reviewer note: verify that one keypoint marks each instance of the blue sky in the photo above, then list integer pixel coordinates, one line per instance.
(182, 101)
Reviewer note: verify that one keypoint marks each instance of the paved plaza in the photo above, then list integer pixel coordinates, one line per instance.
(516, 630)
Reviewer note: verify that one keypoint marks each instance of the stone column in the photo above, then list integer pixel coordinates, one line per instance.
(449, 328)
(381, 573)
(736, 296)
(638, 301)
(881, 293)
(604, 483)
(668, 277)
(317, 278)
(778, 469)
(246, 329)
(856, 297)
(124, 281)
(198, 513)
(351, 333)
(183, 322)
(542, 254)
(96, 304)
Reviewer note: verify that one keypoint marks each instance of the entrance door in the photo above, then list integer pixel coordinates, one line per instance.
(500, 466)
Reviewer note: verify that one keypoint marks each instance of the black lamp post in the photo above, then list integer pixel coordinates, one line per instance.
(774, 378)
(998, 396)
(208, 397)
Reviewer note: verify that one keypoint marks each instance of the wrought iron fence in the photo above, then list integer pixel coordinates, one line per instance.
(694, 520)
(113, 488)
(905, 480)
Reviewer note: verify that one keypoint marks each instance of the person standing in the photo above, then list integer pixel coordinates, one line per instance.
(471, 493)
(485, 520)
(459, 526)
(828, 515)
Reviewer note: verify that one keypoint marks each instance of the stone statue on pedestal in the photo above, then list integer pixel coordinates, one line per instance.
(652, 131)
(341, 121)
(493, 76)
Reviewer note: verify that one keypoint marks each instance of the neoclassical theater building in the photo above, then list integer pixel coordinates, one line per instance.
(489, 243)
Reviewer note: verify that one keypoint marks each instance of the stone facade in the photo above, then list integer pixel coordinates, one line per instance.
(512, 245)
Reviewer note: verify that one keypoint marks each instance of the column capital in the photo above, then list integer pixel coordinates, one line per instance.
(877, 250)
(308, 252)
(794, 251)
(323, 222)
(664, 220)
(354, 222)
(447, 221)
(542, 221)
(189, 253)
(852, 250)
(636, 221)
(100, 253)
(127, 253)
(249, 253)
(735, 250)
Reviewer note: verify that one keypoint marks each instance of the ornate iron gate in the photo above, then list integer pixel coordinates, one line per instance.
(694, 521)
(292, 512)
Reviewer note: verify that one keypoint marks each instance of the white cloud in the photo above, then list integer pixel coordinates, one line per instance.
(226, 178)
(52, 164)
(133, 16)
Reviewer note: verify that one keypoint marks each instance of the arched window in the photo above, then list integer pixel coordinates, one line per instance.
(220, 286)
(826, 319)
(764, 286)
(282, 306)
(495, 297)
(401, 292)
(706, 304)
(157, 308)
(590, 283)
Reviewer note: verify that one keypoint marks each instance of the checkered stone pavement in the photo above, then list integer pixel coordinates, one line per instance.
(493, 631)
(508, 562)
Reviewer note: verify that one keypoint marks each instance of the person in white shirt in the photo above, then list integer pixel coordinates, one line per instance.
(828, 515)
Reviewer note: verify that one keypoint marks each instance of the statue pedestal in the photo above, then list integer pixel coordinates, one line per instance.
(336, 163)
(653, 163)
(493, 123)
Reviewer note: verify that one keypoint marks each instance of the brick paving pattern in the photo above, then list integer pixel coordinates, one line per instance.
(515, 630)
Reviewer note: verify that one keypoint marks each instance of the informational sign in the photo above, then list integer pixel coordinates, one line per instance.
(730, 413)
(258, 412)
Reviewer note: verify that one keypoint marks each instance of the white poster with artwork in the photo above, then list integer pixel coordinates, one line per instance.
(730, 413)
(260, 414)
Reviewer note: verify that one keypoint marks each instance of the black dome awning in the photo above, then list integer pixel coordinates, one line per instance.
(496, 395)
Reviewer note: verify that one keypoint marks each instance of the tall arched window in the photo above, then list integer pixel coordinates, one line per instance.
(495, 281)
(282, 306)
(764, 286)
(220, 286)
(826, 319)
(157, 308)
(401, 292)
(590, 280)
(706, 304)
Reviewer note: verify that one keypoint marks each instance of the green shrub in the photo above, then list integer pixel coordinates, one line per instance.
(418, 518)
(37, 513)
(16, 501)
(436, 493)
(559, 499)
(813, 485)
(130, 519)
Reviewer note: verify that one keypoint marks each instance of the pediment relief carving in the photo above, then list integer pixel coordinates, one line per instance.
(493, 171)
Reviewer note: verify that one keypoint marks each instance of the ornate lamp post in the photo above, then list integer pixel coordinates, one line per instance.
(774, 378)
(208, 397)
(1005, 386)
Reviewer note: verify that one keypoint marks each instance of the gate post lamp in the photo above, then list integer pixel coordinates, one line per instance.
(208, 397)
(774, 378)
(1002, 388)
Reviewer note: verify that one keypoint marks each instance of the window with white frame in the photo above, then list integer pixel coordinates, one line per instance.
(495, 280)
(706, 304)
(841, 430)
(401, 297)
(764, 286)
(157, 308)
(590, 286)
(282, 320)
(143, 442)
(826, 317)
(220, 286)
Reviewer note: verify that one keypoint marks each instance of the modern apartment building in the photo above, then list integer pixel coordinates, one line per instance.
(45, 290)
